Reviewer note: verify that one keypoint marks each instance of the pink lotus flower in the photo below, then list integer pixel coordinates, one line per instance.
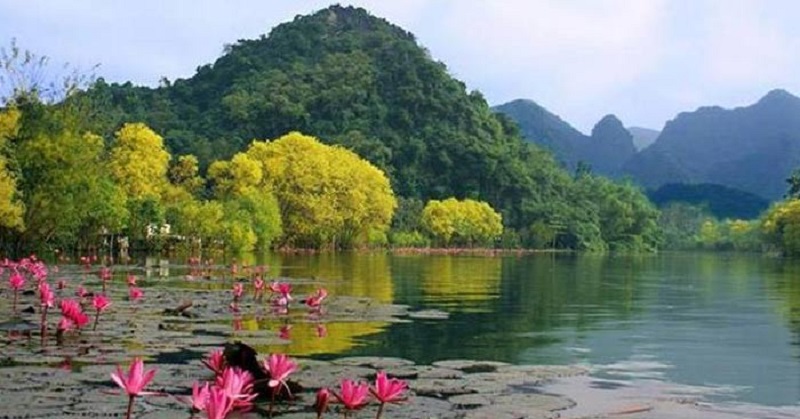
(387, 390)
(73, 311)
(136, 380)
(134, 383)
(200, 396)
(238, 290)
(47, 300)
(315, 300)
(285, 332)
(81, 291)
(238, 385)
(352, 395)
(279, 367)
(219, 403)
(100, 303)
(65, 324)
(131, 279)
(321, 403)
(258, 286)
(134, 294)
(284, 290)
(215, 362)
(16, 281)
(46, 296)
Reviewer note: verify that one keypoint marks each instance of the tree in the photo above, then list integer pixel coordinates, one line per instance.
(328, 196)
(781, 226)
(184, 173)
(11, 209)
(138, 161)
(466, 222)
(251, 211)
(794, 185)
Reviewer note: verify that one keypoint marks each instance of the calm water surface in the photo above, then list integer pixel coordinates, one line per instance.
(720, 321)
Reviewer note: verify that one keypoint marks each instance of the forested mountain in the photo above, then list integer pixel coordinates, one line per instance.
(610, 146)
(356, 80)
(643, 137)
(605, 151)
(720, 201)
(751, 148)
(542, 127)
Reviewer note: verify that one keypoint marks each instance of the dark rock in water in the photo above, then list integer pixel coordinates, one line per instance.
(29, 292)
(28, 310)
(241, 355)
(179, 310)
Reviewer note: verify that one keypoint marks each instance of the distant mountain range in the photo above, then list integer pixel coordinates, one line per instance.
(605, 151)
(752, 148)
(643, 137)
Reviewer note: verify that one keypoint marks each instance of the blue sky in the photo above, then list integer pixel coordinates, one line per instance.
(642, 60)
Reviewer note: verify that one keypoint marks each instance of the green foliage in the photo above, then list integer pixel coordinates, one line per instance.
(185, 173)
(409, 239)
(781, 227)
(721, 201)
(680, 224)
(67, 195)
(356, 81)
(359, 82)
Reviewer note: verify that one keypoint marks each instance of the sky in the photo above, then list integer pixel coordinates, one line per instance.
(642, 60)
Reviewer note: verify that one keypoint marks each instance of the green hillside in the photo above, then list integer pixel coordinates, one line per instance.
(353, 79)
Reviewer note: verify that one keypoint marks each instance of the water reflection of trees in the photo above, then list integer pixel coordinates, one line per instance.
(502, 306)
(783, 284)
(349, 273)
(360, 275)
(450, 283)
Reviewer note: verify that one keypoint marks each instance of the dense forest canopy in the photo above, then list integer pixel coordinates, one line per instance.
(355, 80)
(341, 76)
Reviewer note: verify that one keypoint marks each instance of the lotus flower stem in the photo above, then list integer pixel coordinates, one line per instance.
(44, 324)
(130, 407)
(271, 403)
(380, 411)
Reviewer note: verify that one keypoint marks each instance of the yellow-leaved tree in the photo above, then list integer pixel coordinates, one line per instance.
(328, 196)
(466, 222)
(138, 162)
(11, 209)
(781, 226)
